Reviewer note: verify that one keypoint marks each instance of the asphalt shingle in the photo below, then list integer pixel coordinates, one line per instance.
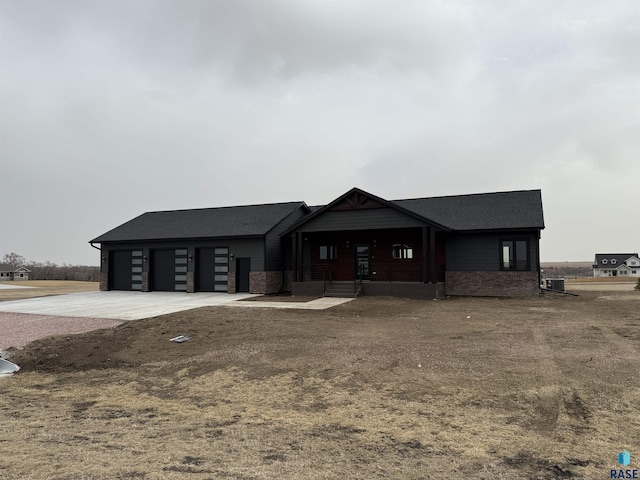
(484, 211)
(242, 221)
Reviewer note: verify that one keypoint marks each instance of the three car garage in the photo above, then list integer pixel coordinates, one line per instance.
(167, 270)
(227, 249)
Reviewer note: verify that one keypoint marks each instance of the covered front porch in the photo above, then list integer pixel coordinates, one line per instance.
(398, 261)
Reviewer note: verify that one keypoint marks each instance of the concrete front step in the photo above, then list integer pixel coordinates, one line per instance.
(341, 290)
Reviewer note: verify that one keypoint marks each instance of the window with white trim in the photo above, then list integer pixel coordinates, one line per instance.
(613, 261)
(605, 261)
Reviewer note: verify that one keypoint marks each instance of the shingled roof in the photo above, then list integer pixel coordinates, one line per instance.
(619, 259)
(484, 211)
(242, 221)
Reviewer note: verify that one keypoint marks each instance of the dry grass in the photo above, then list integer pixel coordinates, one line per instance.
(604, 280)
(45, 288)
(377, 388)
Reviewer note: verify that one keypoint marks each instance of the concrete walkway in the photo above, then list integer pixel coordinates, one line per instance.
(137, 305)
(317, 304)
(118, 305)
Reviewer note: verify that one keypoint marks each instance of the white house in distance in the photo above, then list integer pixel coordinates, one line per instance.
(616, 265)
(9, 273)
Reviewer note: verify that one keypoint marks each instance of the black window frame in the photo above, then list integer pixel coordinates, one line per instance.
(514, 257)
(331, 252)
(402, 249)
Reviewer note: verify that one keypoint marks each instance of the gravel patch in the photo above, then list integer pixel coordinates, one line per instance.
(19, 329)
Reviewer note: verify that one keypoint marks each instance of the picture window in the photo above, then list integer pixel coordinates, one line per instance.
(401, 251)
(328, 252)
(514, 255)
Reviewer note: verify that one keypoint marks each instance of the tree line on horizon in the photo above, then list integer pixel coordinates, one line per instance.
(52, 271)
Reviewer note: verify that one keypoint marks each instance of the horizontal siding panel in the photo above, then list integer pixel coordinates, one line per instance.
(481, 252)
(273, 260)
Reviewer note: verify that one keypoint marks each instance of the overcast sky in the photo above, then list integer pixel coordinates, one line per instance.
(112, 108)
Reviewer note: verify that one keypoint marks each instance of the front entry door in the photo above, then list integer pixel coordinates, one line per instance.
(243, 267)
(362, 261)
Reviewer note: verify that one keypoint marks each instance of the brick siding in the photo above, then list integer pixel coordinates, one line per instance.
(492, 284)
(231, 282)
(191, 284)
(265, 282)
(104, 281)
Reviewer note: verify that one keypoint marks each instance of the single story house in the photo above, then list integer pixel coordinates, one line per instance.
(10, 273)
(616, 265)
(481, 244)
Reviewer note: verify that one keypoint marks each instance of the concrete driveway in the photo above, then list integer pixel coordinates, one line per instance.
(118, 305)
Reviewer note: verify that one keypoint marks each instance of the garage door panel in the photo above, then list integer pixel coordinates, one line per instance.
(120, 270)
(212, 269)
(169, 270)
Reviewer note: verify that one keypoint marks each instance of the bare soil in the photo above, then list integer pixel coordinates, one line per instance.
(538, 388)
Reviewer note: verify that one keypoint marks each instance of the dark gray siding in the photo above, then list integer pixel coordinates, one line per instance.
(273, 249)
(378, 218)
(481, 251)
(253, 248)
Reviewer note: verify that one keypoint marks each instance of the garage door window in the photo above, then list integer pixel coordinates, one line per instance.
(221, 277)
(180, 269)
(136, 270)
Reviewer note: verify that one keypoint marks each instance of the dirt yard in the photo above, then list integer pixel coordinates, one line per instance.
(541, 388)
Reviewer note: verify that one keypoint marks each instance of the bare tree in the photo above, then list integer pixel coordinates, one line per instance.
(52, 271)
(14, 260)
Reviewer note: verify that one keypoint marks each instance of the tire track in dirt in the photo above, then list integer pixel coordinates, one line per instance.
(557, 398)
(547, 403)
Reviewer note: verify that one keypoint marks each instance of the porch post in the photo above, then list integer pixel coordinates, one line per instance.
(294, 253)
(425, 249)
(299, 256)
(432, 255)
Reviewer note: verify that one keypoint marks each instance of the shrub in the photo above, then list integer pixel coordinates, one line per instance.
(638, 285)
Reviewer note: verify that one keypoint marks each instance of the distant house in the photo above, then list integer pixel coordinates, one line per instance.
(616, 265)
(481, 244)
(9, 273)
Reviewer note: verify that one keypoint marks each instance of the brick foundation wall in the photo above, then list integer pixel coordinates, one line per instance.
(265, 282)
(288, 280)
(191, 284)
(231, 282)
(492, 284)
(257, 282)
(104, 281)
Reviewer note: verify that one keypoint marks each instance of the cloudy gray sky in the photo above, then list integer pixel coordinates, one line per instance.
(112, 108)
